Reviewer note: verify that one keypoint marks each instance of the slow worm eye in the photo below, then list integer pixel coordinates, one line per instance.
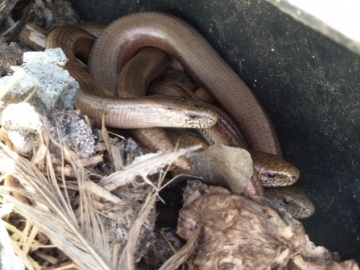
(192, 116)
(271, 175)
(285, 201)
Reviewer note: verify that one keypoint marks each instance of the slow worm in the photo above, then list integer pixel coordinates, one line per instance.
(122, 39)
(125, 36)
(272, 176)
(136, 112)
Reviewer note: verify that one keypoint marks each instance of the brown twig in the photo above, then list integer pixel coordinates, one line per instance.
(13, 35)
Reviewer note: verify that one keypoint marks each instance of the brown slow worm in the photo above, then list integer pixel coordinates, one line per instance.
(125, 36)
(120, 41)
(125, 112)
(271, 172)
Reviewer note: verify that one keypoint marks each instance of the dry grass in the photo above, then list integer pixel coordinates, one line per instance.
(82, 234)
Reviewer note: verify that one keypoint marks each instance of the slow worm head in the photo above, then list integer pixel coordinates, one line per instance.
(273, 171)
(291, 200)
